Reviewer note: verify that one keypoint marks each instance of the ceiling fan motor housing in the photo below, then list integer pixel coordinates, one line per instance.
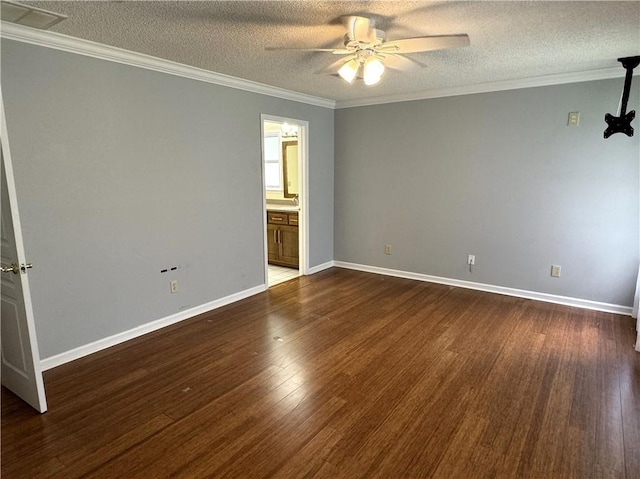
(351, 42)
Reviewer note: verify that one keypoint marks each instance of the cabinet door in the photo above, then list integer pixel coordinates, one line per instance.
(289, 245)
(272, 243)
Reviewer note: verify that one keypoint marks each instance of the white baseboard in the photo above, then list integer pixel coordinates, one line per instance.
(489, 288)
(81, 351)
(321, 267)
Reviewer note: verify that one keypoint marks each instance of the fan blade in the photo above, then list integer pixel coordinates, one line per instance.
(425, 44)
(398, 62)
(335, 51)
(334, 67)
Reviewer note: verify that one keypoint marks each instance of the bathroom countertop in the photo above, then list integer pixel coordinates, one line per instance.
(283, 208)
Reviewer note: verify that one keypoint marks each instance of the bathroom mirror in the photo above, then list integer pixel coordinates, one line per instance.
(290, 168)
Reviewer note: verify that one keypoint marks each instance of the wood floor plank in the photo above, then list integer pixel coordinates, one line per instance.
(206, 431)
(92, 455)
(466, 454)
(345, 374)
(311, 458)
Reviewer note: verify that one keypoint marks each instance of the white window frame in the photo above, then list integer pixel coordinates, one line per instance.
(274, 161)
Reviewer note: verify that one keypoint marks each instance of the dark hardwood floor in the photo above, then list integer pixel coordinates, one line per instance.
(346, 374)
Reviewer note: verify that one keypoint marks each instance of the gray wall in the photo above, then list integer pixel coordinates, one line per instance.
(499, 175)
(122, 172)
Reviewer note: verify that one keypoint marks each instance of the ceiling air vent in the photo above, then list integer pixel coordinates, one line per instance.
(30, 16)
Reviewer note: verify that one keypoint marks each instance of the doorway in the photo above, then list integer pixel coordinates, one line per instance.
(284, 186)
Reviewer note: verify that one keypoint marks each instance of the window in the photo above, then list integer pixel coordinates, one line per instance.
(272, 161)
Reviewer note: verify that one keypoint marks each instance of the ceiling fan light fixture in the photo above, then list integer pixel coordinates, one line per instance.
(349, 70)
(366, 50)
(373, 70)
(371, 80)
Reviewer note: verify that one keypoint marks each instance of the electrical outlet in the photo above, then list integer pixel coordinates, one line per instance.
(555, 270)
(387, 249)
(174, 285)
(471, 260)
(574, 118)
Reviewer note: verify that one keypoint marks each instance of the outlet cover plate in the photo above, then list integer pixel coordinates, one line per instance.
(574, 118)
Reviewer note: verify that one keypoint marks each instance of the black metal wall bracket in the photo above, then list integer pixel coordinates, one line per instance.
(622, 122)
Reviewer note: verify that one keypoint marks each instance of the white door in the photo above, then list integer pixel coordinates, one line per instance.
(21, 371)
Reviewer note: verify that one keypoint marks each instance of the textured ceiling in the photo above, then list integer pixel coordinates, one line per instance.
(509, 40)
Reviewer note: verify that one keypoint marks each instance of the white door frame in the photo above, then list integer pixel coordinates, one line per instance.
(38, 401)
(303, 195)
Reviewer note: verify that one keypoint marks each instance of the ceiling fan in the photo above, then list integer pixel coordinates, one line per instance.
(367, 52)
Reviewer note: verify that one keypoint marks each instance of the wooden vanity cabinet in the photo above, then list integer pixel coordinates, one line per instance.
(282, 238)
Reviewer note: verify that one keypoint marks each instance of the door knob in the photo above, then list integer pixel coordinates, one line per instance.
(14, 268)
(25, 267)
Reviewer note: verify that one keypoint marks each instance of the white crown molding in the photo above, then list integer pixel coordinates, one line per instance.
(99, 345)
(66, 43)
(490, 288)
(547, 80)
(58, 41)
